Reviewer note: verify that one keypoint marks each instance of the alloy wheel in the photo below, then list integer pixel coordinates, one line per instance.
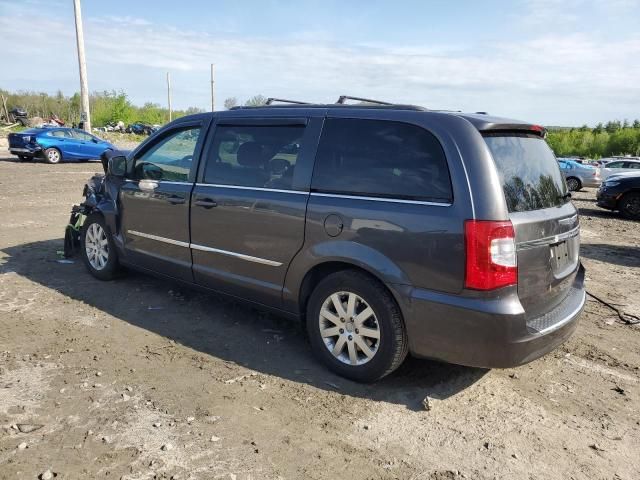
(53, 156)
(349, 328)
(96, 246)
(573, 184)
(632, 206)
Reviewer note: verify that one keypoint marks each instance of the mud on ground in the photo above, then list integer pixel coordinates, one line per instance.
(141, 379)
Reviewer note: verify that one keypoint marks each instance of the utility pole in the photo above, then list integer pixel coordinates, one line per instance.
(213, 82)
(84, 88)
(169, 94)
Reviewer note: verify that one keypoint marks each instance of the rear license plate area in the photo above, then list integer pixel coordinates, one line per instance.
(561, 257)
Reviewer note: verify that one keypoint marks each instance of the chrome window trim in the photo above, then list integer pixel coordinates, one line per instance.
(249, 258)
(174, 183)
(159, 239)
(259, 189)
(549, 240)
(158, 181)
(382, 199)
(204, 248)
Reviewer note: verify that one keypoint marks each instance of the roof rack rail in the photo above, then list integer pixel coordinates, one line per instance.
(343, 98)
(270, 101)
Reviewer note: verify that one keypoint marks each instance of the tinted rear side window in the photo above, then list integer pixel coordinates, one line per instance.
(528, 170)
(254, 156)
(381, 159)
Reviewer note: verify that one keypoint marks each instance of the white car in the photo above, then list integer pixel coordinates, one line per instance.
(620, 166)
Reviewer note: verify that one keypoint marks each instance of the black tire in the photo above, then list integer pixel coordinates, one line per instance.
(111, 267)
(574, 184)
(630, 205)
(52, 155)
(393, 344)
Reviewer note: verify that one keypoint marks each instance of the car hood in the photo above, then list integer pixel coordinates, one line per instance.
(623, 175)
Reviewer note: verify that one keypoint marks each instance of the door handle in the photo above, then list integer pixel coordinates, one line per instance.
(175, 200)
(147, 185)
(206, 203)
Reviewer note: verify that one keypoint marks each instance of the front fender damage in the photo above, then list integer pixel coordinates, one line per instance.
(97, 198)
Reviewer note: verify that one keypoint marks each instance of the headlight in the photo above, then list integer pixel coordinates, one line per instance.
(611, 183)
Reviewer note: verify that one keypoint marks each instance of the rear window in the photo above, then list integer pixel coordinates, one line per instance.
(381, 159)
(529, 172)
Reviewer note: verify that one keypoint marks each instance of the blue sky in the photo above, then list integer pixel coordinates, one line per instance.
(557, 62)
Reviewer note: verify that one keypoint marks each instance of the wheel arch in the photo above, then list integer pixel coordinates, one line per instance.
(323, 269)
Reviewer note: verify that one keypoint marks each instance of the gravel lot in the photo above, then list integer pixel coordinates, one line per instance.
(141, 379)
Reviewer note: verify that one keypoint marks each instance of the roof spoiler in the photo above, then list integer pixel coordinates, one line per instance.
(515, 128)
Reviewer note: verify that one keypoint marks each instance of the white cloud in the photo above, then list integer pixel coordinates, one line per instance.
(553, 78)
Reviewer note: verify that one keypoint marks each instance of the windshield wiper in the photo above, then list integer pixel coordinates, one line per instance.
(565, 196)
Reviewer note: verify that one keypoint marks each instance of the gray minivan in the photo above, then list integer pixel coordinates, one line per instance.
(388, 229)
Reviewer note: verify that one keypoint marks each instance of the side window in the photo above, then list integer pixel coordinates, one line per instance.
(254, 156)
(85, 137)
(381, 158)
(170, 158)
(635, 165)
(614, 165)
(60, 134)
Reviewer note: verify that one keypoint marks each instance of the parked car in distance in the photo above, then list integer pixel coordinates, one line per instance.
(578, 175)
(388, 229)
(57, 145)
(621, 192)
(15, 115)
(140, 128)
(631, 164)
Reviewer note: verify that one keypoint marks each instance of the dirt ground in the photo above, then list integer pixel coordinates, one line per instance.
(141, 379)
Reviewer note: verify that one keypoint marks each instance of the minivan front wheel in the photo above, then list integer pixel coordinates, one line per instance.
(98, 250)
(355, 326)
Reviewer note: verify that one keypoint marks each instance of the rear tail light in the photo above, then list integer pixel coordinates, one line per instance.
(491, 255)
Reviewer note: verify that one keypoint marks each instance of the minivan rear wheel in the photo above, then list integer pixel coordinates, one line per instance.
(355, 326)
(630, 206)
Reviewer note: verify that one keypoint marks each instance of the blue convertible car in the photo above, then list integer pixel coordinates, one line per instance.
(57, 145)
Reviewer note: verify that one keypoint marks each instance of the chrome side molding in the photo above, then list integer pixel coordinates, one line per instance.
(204, 248)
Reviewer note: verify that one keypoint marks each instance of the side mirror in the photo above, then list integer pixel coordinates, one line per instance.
(117, 166)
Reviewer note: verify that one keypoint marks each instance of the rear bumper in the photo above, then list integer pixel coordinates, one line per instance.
(591, 182)
(26, 151)
(487, 333)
